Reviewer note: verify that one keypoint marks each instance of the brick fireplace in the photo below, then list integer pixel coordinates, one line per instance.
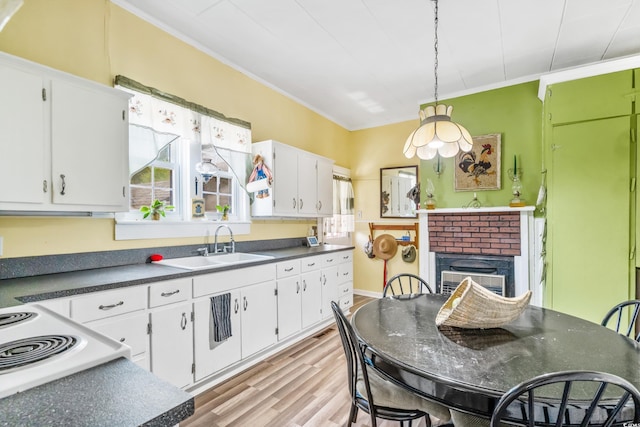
(481, 237)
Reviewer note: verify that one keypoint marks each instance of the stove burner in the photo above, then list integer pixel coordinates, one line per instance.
(19, 353)
(8, 319)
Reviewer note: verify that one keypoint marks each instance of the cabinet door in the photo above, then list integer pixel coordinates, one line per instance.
(211, 356)
(325, 187)
(588, 219)
(329, 289)
(606, 95)
(89, 146)
(259, 317)
(289, 306)
(307, 184)
(311, 298)
(23, 161)
(285, 179)
(172, 344)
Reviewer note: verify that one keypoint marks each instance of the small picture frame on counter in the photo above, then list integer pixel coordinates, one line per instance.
(312, 241)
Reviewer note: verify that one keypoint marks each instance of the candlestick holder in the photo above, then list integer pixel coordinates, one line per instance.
(516, 187)
(474, 203)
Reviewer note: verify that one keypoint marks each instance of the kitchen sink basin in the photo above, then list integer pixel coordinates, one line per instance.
(212, 261)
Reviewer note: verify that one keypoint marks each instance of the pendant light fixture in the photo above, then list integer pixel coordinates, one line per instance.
(437, 134)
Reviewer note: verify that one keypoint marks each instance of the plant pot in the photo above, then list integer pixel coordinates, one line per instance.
(155, 216)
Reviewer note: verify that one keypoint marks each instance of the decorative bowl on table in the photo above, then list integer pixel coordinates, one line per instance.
(472, 306)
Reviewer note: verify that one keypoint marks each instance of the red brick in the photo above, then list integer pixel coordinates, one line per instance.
(500, 246)
(472, 251)
(452, 229)
(509, 230)
(480, 223)
(489, 230)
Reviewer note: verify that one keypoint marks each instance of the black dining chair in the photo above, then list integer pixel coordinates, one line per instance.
(613, 401)
(375, 395)
(617, 314)
(406, 284)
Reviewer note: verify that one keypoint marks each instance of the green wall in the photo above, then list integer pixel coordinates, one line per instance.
(516, 113)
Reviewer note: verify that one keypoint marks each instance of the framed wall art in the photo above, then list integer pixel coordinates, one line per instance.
(479, 169)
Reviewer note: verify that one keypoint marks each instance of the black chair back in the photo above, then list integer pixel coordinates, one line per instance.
(613, 401)
(406, 284)
(617, 314)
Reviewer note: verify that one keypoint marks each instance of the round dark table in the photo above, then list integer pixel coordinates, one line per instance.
(470, 369)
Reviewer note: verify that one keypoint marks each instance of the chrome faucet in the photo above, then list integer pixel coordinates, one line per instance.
(203, 251)
(225, 247)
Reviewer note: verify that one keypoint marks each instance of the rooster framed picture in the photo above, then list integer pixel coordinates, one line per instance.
(479, 169)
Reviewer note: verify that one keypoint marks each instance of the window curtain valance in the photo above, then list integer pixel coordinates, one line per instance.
(160, 118)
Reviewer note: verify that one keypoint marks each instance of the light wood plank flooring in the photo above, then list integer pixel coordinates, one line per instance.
(304, 385)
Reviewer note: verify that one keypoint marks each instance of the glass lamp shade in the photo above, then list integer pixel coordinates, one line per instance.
(206, 169)
(437, 134)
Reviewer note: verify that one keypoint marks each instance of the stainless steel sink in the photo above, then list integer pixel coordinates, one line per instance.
(212, 261)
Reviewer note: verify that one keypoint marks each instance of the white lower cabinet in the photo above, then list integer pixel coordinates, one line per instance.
(259, 317)
(253, 316)
(311, 298)
(289, 298)
(130, 330)
(211, 356)
(172, 344)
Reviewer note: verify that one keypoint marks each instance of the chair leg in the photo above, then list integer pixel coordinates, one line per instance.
(353, 414)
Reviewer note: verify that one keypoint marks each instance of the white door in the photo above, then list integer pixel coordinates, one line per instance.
(311, 298)
(211, 356)
(89, 146)
(285, 179)
(172, 344)
(289, 306)
(24, 171)
(325, 187)
(307, 184)
(329, 289)
(259, 317)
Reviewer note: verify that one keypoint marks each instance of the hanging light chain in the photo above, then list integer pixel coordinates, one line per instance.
(435, 47)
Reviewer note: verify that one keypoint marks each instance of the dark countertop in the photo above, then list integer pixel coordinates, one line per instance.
(37, 288)
(108, 395)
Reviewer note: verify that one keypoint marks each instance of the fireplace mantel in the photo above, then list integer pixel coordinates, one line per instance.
(524, 256)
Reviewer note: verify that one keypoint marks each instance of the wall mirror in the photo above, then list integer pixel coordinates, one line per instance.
(396, 185)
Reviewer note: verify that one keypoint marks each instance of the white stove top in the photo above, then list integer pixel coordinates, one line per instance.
(38, 346)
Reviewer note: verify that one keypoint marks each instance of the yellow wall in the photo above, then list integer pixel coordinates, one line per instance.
(97, 40)
(370, 150)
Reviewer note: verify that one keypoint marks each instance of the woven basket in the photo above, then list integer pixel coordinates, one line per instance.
(473, 306)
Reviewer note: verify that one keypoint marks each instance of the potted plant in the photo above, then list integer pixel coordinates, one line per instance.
(224, 210)
(156, 209)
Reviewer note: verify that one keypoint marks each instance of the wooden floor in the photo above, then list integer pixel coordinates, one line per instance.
(304, 385)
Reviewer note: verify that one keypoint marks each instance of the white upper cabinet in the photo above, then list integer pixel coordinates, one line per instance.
(302, 182)
(64, 141)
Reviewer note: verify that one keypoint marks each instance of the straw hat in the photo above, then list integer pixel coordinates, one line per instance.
(409, 253)
(385, 246)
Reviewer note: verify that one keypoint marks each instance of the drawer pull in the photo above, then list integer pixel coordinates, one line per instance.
(236, 306)
(311, 265)
(122, 339)
(110, 306)
(345, 291)
(297, 287)
(330, 260)
(288, 269)
(345, 257)
(168, 294)
(345, 274)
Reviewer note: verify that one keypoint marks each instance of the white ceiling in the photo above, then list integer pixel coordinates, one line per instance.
(365, 63)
